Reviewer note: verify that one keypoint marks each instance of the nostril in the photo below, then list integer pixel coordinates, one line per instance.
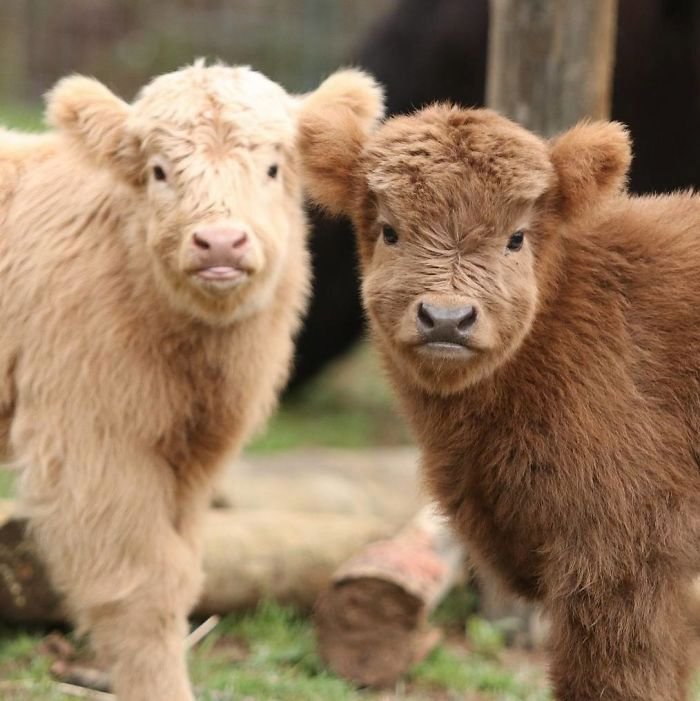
(424, 317)
(241, 241)
(467, 319)
(200, 241)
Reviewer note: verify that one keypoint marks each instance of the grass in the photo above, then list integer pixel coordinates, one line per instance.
(270, 654)
(20, 116)
(7, 481)
(274, 657)
(469, 673)
(24, 673)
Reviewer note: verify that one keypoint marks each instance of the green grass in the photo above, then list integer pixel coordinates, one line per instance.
(20, 116)
(270, 654)
(465, 673)
(24, 673)
(279, 660)
(456, 608)
(7, 482)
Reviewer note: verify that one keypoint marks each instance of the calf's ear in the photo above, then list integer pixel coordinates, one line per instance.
(335, 122)
(591, 161)
(96, 121)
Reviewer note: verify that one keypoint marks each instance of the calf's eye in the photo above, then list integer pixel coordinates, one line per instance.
(272, 170)
(515, 242)
(158, 173)
(390, 235)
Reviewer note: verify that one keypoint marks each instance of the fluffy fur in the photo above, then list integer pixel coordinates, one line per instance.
(125, 378)
(563, 438)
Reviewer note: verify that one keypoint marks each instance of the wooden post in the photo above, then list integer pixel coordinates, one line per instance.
(550, 63)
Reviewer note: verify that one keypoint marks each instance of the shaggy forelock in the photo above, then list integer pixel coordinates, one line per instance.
(442, 154)
(235, 106)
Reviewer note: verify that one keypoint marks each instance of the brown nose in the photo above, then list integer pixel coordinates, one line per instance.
(445, 324)
(220, 246)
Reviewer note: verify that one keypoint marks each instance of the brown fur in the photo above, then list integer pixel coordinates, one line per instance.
(564, 444)
(125, 380)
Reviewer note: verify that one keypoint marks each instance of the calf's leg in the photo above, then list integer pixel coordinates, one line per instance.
(108, 533)
(626, 641)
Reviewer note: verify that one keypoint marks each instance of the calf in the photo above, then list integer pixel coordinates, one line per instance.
(153, 272)
(542, 329)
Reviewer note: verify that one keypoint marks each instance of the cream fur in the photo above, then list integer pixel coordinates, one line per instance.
(123, 381)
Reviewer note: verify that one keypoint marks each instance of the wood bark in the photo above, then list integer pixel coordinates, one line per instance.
(550, 64)
(372, 620)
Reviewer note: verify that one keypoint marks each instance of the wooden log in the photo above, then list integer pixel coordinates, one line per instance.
(248, 556)
(359, 482)
(550, 63)
(287, 556)
(372, 621)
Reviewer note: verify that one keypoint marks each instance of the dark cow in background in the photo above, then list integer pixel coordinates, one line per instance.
(427, 51)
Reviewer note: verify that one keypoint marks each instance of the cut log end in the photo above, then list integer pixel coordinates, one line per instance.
(372, 621)
(370, 630)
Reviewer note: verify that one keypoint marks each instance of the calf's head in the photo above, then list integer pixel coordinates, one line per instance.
(457, 214)
(209, 153)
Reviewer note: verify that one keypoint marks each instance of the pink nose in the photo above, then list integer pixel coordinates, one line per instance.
(220, 246)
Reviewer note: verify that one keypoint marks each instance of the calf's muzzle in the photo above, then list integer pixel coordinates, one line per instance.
(220, 252)
(445, 324)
